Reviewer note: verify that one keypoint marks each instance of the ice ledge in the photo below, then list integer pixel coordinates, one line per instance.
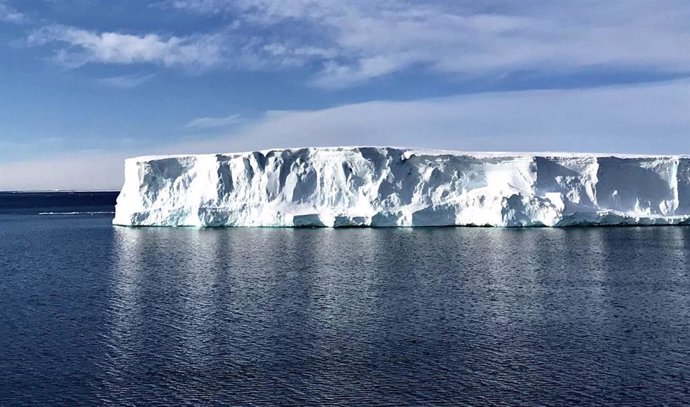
(387, 186)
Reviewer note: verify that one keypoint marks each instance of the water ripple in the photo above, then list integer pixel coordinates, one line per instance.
(99, 315)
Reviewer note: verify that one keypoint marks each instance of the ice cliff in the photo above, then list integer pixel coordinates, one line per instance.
(380, 186)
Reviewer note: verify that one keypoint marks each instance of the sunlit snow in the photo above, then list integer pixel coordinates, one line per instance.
(382, 186)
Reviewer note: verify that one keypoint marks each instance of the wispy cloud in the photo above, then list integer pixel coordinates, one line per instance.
(215, 122)
(630, 118)
(370, 39)
(650, 118)
(82, 47)
(9, 14)
(343, 43)
(126, 81)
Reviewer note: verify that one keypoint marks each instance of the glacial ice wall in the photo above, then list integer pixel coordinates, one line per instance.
(382, 186)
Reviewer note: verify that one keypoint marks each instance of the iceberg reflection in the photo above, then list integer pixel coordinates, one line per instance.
(309, 316)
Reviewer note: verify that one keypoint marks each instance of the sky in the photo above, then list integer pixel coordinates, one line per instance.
(87, 83)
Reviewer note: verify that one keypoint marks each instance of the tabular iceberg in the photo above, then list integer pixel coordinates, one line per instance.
(383, 187)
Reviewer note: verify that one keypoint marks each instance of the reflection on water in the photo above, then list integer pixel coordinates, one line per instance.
(407, 316)
(353, 316)
(127, 323)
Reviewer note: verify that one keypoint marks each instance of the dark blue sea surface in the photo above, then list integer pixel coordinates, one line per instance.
(96, 314)
(57, 203)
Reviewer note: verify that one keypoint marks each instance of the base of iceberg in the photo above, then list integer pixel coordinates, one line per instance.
(389, 187)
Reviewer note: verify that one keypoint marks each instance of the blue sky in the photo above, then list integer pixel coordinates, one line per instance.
(85, 83)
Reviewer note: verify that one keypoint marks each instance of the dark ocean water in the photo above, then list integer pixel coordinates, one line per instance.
(96, 314)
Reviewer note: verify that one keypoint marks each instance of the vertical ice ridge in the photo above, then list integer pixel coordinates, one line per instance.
(676, 200)
(377, 186)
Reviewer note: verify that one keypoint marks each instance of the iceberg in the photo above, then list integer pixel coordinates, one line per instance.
(399, 187)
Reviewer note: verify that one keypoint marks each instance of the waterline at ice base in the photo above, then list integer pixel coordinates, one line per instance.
(401, 187)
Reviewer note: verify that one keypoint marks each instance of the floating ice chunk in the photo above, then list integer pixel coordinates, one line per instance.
(385, 187)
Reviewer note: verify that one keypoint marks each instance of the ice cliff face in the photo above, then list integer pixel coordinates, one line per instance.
(368, 186)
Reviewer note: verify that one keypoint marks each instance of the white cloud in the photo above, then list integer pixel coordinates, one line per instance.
(649, 118)
(215, 122)
(368, 39)
(610, 119)
(226, 48)
(203, 51)
(9, 14)
(351, 42)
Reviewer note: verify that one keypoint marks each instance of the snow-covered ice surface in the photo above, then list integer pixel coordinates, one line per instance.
(384, 186)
